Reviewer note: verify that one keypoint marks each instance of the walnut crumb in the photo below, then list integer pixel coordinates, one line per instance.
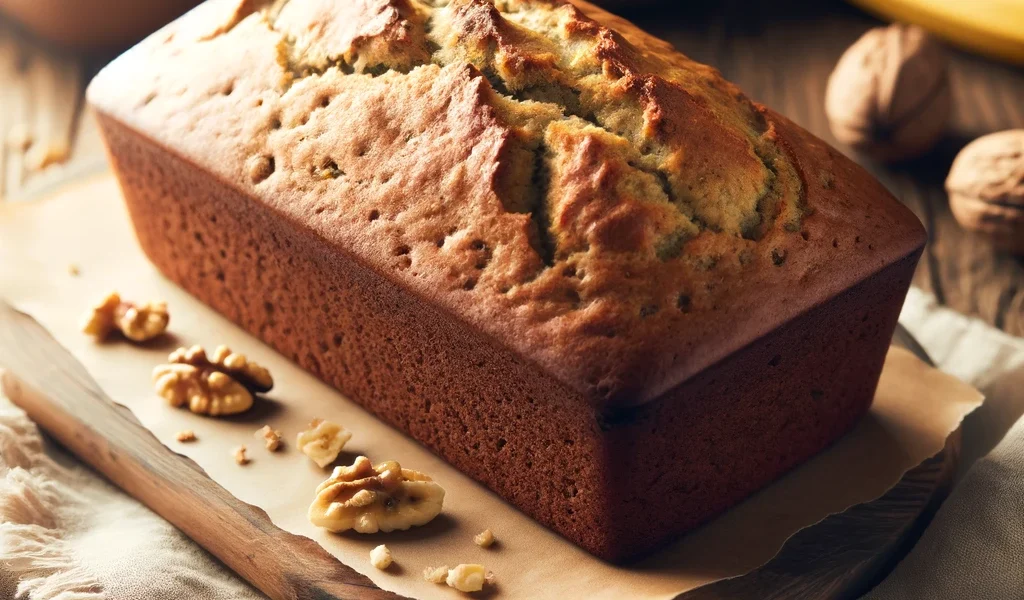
(73, 270)
(380, 557)
(323, 441)
(484, 539)
(271, 437)
(240, 455)
(469, 578)
(435, 574)
(138, 323)
(186, 436)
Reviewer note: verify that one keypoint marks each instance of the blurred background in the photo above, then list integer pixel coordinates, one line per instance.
(781, 53)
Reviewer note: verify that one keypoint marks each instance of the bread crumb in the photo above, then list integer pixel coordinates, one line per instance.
(240, 456)
(380, 557)
(271, 437)
(186, 436)
(73, 270)
(435, 574)
(468, 578)
(484, 539)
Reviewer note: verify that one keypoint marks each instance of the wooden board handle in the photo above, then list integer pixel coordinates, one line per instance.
(59, 395)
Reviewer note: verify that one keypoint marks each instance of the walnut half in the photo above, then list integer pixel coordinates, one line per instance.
(254, 377)
(138, 323)
(204, 392)
(371, 499)
(216, 385)
(323, 441)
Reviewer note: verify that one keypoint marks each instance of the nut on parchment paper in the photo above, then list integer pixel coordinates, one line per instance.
(271, 437)
(246, 372)
(986, 188)
(220, 384)
(469, 578)
(186, 436)
(380, 557)
(323, 441)
(138, 323)
(484, 539)
(369, 499)
(436, 574)
(889, 95)
(240, 455)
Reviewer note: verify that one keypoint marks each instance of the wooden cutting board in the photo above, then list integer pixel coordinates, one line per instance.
(841, 557)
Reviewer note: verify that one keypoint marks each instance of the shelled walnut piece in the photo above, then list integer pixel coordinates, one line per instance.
(186, 436)
(469, 578)
(369, 499)
(484, 539)
(138, 323)
(436, 574)
(220, 384)
(254, 377)
(271, 437)
(380, 557)
(323, 441)
(465, 578)
(241, 456)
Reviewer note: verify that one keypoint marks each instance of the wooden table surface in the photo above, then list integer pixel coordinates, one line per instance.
(780, 52)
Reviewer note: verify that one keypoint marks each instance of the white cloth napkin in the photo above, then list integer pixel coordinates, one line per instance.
(974, 547)
(66, 534)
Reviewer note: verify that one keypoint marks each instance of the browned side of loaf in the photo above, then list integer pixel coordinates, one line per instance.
(616, 484)
(743, 423)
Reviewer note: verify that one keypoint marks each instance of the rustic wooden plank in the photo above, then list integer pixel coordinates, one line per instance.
(76, 412)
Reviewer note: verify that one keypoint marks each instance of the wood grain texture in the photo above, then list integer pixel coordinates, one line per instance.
(76, 412)
(836, 559)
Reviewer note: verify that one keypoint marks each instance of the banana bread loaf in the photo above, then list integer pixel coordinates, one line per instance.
(580, 267)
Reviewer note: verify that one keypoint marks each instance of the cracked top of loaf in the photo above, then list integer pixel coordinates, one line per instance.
(575, 188)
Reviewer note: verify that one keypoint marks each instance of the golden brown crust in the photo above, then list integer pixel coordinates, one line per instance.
(609, 209)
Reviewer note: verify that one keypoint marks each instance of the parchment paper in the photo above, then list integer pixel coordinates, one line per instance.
(915, 409)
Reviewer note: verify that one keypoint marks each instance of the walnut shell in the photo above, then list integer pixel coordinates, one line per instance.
(986, 188)
(889, 95)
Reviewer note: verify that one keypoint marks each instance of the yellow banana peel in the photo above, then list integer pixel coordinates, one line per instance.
(991, 27)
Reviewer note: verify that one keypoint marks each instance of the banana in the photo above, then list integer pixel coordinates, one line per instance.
(994, 28)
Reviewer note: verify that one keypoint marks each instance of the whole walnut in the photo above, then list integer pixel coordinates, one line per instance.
(986, 188)
(889, 95)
